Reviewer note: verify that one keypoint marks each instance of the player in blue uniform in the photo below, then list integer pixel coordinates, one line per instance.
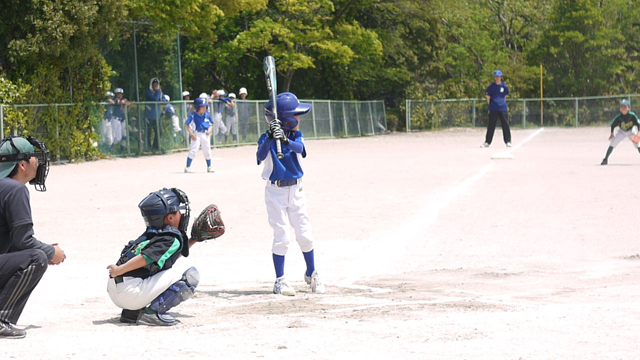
(629, 125)
(285, 200)
(496, 94)
(118, 124)
(199, 126)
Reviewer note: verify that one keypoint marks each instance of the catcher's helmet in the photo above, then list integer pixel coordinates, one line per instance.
(288, 106)
(160, 203)
(200, 102)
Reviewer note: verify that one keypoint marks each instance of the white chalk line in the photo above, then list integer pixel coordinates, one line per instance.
(504, 154)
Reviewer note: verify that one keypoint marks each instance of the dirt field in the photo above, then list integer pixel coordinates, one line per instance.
(429, 249)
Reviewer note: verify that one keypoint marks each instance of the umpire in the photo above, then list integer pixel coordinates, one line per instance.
(496, 94)
(23, 259)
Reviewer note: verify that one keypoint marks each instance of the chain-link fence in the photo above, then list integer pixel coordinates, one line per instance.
(158, 127)
(526, 113)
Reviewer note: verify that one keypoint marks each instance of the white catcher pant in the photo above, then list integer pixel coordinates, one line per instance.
(621, 134)
(218, 125)
(119, 130)
(287, 207)
(232, 126)
(201, 139)
(135, 293)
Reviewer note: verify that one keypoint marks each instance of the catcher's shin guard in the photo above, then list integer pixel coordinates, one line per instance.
(178, 292)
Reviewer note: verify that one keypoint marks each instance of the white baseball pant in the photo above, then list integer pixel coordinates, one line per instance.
(287, 207)
(107, 132)
(201, 139)
(621, 134)
(218, 125)
(119, 130)
(135, 293)
(232, 126)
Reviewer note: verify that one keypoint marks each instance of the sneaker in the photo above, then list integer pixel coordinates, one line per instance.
(156, 319)
(314, 281)
(486, 144)
(210, 169)
(282, 287)
(604, 162)
(508, 144)
(188, 170)
(8, 331)
(130, 316)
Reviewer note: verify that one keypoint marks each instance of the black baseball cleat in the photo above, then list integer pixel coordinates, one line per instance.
(604, 162)
(8, 331)
(157, 319)
(130, 316)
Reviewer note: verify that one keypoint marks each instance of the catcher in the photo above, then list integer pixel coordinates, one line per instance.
(628, 123)
(143, 282)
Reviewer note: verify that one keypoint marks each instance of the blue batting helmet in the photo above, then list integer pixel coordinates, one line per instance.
(497, 73)
(288, 107)
(200, 102)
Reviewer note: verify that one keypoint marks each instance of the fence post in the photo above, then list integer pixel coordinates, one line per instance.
(344, 119)
(313, 117)
(524, 113)
(357, 105)
(408, 116)
(1, 121)
(473, 119)
(384, 113)
(126, 129)
(373, 129)
(330, 120)
(576, 112)
(57, 135)
(257, 118)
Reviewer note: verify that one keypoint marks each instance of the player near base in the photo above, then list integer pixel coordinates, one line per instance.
(23, 258)
(496, 94)
(199, 126)
(144, 282)
(285, 200)
(628, 123)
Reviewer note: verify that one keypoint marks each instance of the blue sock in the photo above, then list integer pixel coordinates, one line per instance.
(189, 160)
(278, 263)
(209, 163)
(308, 258)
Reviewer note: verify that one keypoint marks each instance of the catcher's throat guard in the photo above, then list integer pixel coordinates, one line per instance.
(40, 152)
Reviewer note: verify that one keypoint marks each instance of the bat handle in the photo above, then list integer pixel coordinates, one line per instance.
(279, 153)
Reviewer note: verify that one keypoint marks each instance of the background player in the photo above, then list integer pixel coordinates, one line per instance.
(118, 124)
(23, 259)
(218, 104)
(232, 125)
(106, 128)
(143, 282)
(199, 126)
(285, 200)
(628, 123)
(496, 94)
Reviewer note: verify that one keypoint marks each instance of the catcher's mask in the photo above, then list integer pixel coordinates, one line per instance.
(160, 203)
(16, 149)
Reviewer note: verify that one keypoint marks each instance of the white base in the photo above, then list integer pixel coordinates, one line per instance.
(502, 156)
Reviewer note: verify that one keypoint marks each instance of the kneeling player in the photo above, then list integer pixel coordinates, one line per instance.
(143, 282)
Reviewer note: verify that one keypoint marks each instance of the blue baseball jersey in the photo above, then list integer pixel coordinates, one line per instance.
(497, 94)
(287, 168)
(118, 111)
(108, 111)
(201, 122)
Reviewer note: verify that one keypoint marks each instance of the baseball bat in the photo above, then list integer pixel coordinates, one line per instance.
(272, 88)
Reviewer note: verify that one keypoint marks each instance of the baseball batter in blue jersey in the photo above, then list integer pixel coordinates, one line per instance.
(496, 97)
(199, 125)
(284, 197)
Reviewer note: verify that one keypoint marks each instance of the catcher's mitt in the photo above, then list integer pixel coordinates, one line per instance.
(208, 225)
(636, 138)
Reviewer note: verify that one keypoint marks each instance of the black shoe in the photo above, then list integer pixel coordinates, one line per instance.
(8, 331)
(130, 316)
(604, 162)
(157, 319)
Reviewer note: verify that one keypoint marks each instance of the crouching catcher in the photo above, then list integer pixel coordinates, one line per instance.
(143, 282)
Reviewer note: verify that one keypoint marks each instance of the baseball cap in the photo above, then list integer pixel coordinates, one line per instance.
(625, 102)
(221, 92)
(242, 91)
(185, 93)
(497, 73)
(23, 147)
(232, 95)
